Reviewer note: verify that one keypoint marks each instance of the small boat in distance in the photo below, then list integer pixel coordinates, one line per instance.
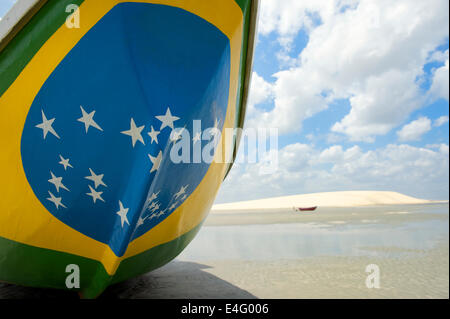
(148, 70)
(305, 209)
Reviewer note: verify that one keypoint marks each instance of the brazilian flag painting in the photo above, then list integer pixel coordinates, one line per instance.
(89, 116)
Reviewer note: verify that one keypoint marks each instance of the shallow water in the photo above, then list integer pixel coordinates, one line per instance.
(389, 231)
(289, 255)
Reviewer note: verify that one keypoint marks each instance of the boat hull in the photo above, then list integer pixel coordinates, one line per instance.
(305, 209)
(89, 184)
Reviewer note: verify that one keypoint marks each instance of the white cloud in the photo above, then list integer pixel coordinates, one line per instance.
(296, 99)
(371, 54)
(440, 85)
(421, 172)
(414, 130)
(336, 154)
(441, 121)
(384, 103)
(288, 17)
(260, 91)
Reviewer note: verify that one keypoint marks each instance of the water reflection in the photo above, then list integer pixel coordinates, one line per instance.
(300, 240)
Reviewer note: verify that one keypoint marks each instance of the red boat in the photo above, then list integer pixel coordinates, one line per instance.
(305, 209)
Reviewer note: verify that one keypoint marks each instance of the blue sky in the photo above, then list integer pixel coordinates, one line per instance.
(321, 123)
(359, 95)
(5, 5)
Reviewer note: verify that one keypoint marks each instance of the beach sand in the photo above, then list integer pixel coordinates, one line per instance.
(330, 199)
(279, 253)
(422, 274)
(315, 255)
(395, 214)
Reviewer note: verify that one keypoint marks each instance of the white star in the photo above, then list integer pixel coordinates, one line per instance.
(181, 192)
(151, 199)
(88, 120)
(173, 206)
(65, 162)
(155, 208)
(46, 126)
(216, 130)
(162, 213)
(154, 196)
(57, 181)
(154, 135)
(141, 221)
(97, 179)
(135, 133)
(56, 200)
(175, 135)
(184, 197)
(95, 195)
(123, 214)
(197, 137)
(156, 161)
(167, 120)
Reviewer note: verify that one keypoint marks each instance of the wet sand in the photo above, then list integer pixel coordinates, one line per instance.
(282, 254)
(422, 276)
(329, 215)
(419, 275)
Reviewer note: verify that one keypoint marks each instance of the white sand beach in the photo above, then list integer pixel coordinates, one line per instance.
(285, 254)
(330, 199)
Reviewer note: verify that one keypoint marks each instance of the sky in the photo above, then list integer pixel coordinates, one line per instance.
(359, 92)
(5, 5)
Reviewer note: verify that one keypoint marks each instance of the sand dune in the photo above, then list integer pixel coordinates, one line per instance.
(331, 199)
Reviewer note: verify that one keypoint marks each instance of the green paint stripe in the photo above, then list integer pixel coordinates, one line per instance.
(246, 10)
(32, 266)
(244, 4)
(39, 267)
(22, 48)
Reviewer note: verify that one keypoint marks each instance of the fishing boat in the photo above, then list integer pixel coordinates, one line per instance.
(94, 99)
(305, 209)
